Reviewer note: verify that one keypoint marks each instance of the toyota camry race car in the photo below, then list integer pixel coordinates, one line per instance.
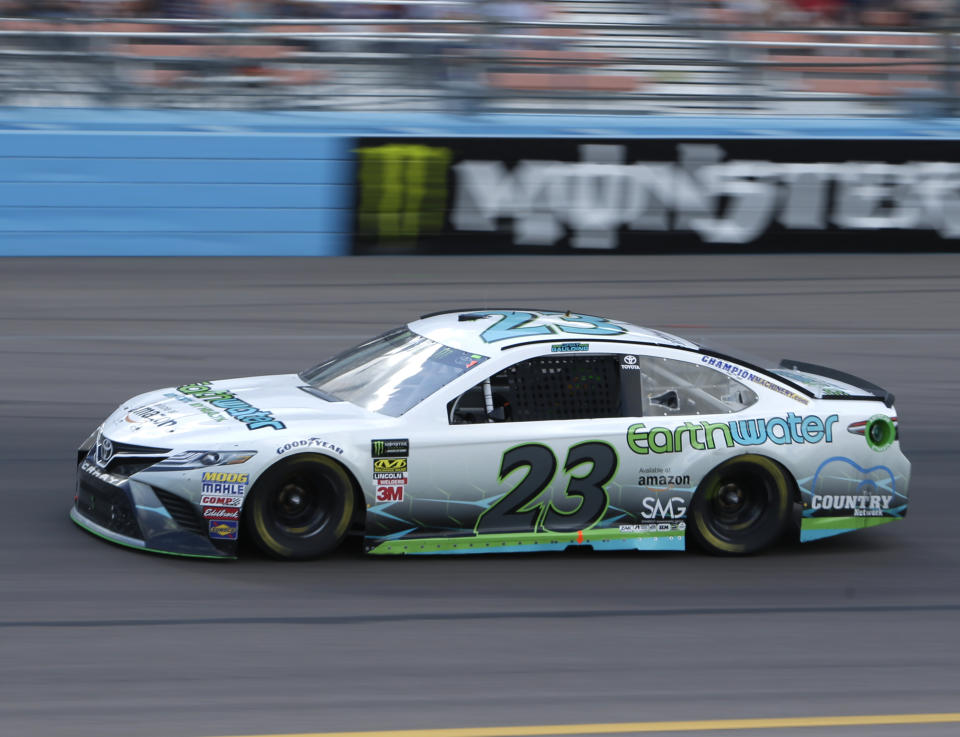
(494, 430)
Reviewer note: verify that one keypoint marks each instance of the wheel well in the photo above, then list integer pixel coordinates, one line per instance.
(360, 506)
(797, 496)
(785, 511)
(787, 474)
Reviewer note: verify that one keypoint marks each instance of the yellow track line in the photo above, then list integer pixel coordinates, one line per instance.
(705, 725)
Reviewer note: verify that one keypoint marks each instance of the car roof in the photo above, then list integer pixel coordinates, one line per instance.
(488, 330)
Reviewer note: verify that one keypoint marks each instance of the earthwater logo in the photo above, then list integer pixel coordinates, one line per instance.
(229, 402)
(403, 190)
(710, 435)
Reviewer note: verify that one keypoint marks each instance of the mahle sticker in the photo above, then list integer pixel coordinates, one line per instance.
(221, 482)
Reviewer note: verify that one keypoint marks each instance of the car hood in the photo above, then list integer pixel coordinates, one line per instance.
(227, 411)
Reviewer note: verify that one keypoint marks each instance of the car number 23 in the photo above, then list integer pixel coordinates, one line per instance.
(525, 508)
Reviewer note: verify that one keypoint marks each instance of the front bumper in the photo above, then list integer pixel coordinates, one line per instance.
(136, 515)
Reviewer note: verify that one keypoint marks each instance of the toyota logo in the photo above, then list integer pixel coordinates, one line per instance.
(630, 360)
(104, 451)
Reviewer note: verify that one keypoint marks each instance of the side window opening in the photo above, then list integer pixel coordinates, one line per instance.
(545, 388)
(672, 388)
(470, 407)
(584, 387)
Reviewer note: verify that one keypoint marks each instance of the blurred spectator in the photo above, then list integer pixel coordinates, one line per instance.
(237, 9)
(774, 13)
(511, 11)
(178, 9)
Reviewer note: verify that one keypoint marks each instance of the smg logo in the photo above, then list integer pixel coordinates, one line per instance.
(674, 508)
(403, 190)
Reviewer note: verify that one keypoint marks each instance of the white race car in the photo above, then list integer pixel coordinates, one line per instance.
(498, 430)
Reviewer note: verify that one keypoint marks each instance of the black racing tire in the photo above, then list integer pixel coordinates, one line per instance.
(741, 507)
(301, 508)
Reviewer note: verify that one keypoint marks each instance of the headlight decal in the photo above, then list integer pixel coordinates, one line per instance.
(193, 459)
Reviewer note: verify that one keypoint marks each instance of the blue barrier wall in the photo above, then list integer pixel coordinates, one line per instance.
(148, 183)
(172, 192)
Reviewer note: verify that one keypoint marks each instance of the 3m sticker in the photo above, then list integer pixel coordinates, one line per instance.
(386, 494)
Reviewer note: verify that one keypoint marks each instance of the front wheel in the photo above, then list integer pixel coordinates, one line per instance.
(741, 507)
(300, 508)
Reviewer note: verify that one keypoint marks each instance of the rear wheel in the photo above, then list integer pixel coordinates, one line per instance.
(300, 508)
(741, 507)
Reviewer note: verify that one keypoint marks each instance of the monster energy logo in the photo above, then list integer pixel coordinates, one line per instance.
(403, 190)
(395, 448)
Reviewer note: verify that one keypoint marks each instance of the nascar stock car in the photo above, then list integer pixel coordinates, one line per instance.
(498, 430)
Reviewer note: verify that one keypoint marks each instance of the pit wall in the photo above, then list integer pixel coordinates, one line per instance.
(198, 183)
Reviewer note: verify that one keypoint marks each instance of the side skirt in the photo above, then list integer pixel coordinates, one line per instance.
(529, 542)
(816, 528)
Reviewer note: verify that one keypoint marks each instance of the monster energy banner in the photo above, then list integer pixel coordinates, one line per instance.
(655, 196)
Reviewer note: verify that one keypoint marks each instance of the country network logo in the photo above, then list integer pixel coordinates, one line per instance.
(842, 487)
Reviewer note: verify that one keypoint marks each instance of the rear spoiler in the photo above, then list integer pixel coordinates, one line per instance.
(875, 391)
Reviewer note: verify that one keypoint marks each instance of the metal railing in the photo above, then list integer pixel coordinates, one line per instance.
(607, 56)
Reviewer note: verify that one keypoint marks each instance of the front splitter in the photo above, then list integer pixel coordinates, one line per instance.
(131, 542)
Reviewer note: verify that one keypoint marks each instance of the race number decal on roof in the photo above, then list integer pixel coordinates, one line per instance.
(528, 324)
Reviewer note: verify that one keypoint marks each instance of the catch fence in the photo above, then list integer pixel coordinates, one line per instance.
(598, 56)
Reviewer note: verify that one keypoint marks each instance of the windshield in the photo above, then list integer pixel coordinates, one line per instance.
(391, 373)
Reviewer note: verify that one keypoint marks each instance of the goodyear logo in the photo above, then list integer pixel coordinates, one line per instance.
(226, 478)
(224, 529)
(389, 464)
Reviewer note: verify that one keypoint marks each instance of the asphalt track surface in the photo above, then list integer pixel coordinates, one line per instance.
(102, 641)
